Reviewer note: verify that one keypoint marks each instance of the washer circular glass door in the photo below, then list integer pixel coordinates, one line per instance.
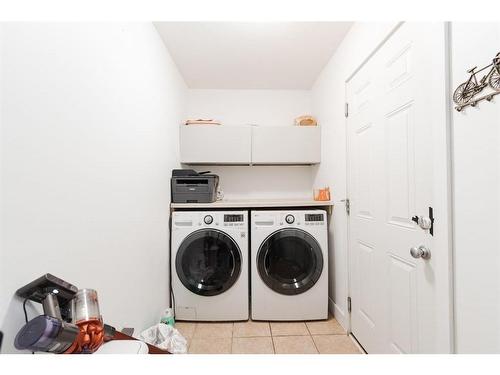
(208, 262)
(290, 261)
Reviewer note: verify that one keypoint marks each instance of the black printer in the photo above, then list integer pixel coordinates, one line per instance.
(189, 186)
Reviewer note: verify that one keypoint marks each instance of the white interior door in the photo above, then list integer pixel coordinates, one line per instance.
(397, 112)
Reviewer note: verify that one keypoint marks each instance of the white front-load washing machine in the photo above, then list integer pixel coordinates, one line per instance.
(289, 262)
(209, 265)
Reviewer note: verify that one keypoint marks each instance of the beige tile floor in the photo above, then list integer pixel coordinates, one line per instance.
(251, 337)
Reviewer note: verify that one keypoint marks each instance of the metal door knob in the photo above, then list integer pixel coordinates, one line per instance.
(420, 252)
(425, 222)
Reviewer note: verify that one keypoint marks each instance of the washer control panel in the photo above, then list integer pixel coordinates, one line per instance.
(209, 219)
(234, 220)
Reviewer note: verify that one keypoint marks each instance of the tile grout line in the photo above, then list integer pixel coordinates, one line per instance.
(192, 337)
(312, 338)
(232, 337)
(274, 346)
(257, 336)
(272, 337)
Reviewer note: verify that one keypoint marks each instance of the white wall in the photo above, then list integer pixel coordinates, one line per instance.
(328, 98)
(263, 182)
(256, 107)
(476, 171)
(2, 301)
(262, 108)
(89, 136)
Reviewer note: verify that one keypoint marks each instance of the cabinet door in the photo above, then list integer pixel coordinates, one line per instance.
(215, 144)
(286, 145)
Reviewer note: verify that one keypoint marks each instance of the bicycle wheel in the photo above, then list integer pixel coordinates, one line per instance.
(494, 80)
(464, 92)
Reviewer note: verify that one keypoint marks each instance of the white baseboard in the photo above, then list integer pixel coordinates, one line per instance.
(339, 315)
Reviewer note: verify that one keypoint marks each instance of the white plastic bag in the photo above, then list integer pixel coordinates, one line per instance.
(165, 337)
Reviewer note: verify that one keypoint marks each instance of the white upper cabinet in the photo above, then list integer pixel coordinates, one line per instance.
(286, 145)
(213, 144)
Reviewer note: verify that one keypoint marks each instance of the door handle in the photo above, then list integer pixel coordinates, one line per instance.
(420, 252)
(425, 222)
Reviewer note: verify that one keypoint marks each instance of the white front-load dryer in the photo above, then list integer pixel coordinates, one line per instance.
(289, 262)
(209, 265)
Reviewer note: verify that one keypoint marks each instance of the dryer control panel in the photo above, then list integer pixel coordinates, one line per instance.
(263, 219)
(314, 219)
(302, 218)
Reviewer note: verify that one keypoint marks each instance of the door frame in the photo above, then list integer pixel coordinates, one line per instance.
(442, 191)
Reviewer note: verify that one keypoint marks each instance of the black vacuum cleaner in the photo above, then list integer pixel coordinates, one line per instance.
(53, 331)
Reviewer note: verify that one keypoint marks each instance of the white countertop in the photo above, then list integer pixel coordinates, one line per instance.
(253, 203)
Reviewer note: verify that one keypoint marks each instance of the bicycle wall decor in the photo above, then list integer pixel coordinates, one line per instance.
(466, 93)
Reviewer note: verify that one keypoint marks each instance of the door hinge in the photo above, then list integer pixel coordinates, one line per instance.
(349, 305)
(346, 110)
(347, 205)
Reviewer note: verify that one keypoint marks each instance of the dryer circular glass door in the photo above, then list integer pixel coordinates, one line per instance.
(208, 262)
(290, 261)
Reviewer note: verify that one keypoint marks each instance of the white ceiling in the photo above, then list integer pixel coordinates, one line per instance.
(239, 55)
